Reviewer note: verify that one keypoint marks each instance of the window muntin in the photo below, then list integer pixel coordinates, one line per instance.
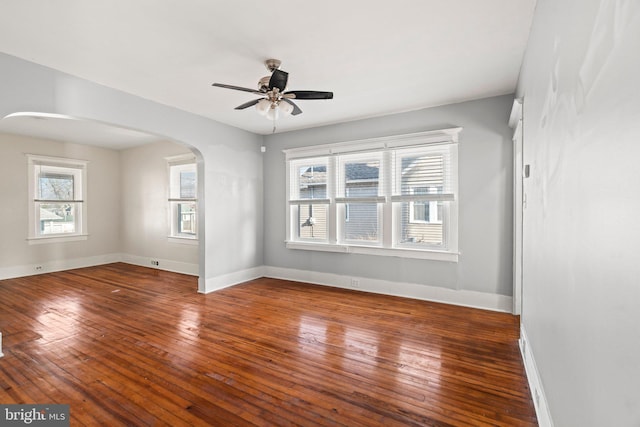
(57, 197)
(183, 202)
(394, 195)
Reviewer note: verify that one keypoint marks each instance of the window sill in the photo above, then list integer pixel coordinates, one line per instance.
(183, 240)
(56, 239)
(368, 250)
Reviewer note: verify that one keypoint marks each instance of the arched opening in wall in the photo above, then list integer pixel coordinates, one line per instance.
(97, 192)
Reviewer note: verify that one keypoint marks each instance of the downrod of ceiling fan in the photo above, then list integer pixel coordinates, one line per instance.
(272, 64)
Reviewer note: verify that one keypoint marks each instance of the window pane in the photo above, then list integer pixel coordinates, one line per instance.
(423, 232)
(57, 218)
(187, 218)
(420, 211)
(54, 186)
(362, 224)
(312, 222)
(312, 181)
(421, 172)
(425, 210)
(360, 178)
(187, 185)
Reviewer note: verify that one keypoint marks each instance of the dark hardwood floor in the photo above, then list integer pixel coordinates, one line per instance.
(127, 345)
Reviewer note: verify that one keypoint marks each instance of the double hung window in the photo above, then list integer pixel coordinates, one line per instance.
(388, 196)
(310, 199)
(57, 197)
(183, 197)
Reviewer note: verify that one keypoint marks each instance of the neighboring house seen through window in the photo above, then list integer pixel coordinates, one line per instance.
(57, 194)
(388, 196)
(426, 211)
(183, 197)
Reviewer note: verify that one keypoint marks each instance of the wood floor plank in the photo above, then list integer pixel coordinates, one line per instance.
(128, 345)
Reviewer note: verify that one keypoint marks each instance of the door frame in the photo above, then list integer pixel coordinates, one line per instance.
(515, 122)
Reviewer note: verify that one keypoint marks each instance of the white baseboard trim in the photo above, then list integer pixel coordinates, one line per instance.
(226, 280)
(57, 265)
(464, 298)
(68, 264)
(535, 382)
(163, 264)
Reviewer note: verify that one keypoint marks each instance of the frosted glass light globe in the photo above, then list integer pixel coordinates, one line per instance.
(285, 107)
(263, 106)
(273, 113)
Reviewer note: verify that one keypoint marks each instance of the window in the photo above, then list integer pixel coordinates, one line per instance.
(183, 197)
(357, 194)
(389, 196)
(57, 194)
(309, 199)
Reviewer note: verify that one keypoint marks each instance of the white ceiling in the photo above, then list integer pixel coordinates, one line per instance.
(377, 57)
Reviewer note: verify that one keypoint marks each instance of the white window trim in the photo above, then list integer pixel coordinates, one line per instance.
(173, 236)
(389, 246)
(183, 240)
(33, 236)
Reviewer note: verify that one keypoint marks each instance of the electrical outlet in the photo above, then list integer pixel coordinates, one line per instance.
(154, 262)
(355, 283)
(38, 268)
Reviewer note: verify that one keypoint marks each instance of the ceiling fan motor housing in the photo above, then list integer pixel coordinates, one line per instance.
(263, 84)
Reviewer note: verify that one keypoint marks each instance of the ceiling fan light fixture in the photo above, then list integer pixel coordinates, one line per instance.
(273, 113)
(275, 99)
(285, 107)
(263, 106)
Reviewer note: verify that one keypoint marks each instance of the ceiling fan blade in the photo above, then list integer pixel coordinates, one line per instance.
(278, 79)
(247, 104)
(244, 89)
(310, 94)
(296, 109)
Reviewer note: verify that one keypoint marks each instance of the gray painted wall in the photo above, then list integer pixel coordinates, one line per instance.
(230, 162)
(485, 185)
(581, 86)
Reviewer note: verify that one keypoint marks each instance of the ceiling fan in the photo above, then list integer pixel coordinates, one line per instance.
(274, 98)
